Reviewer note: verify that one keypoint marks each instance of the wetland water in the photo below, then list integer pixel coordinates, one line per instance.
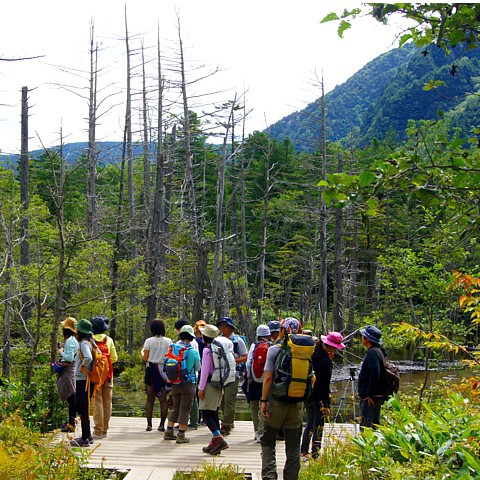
(129, 403)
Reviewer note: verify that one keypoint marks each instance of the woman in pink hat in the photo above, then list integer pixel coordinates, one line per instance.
(318, 402)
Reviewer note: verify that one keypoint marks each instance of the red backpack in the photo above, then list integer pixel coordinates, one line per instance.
(102, 345)
(259, 358)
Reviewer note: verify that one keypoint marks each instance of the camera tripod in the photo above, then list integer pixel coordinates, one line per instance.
(350, 386)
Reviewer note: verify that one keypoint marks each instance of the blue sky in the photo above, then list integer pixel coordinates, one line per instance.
(271, 49)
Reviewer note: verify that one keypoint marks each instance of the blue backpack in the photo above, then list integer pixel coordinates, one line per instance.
(175, 364)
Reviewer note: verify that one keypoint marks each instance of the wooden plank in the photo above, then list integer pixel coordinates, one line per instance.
(129, 446)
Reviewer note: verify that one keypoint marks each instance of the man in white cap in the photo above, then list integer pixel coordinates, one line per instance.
(370, 388)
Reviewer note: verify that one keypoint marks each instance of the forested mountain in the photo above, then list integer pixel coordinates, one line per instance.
(385, 94)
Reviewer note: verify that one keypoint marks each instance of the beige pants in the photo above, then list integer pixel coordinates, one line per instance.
(102, 408)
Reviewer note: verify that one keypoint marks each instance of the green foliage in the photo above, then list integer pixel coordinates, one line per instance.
(433, 440)
(133, 377)
(211, 472)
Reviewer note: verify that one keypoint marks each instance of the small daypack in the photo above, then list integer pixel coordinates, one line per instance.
(98, 372)
(223, 362)
(102, 345)
(259, 357)
(175, 364)
(293, 369)
(391, 378)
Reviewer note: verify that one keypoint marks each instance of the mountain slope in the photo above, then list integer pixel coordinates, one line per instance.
(384, 95)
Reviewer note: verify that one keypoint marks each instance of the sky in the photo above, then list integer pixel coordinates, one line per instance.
(272, 51)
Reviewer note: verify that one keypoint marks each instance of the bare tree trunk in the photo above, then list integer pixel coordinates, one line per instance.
(217, 277)
(7, 316)
(63, 263)
(129, 150)
(157, 227)
(118, 244)
(92, 214)
(337, 314)
(263, 248)
(323, 220)
(146, 216)
(24, 199)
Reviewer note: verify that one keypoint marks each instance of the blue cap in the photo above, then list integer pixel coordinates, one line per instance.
(226, 320)
(274, 326)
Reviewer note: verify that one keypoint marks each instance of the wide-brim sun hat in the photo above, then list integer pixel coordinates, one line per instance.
(187, 330)
(84, 326)
(372, 334)
(210, 331)
(200, 323)
(333, 339)
(263, 331)
(70, 324)
(226, 320)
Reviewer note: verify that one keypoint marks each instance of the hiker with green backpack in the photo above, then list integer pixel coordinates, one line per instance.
(288, 373)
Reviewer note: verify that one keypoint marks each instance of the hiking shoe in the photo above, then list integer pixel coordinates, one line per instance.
(181, 438)
(219, 444)
(192, 427)
(67, 428)
(208, 447)
(161, 428)
(169, 435)
(79, 442)
(225, 430)
(98, 437)
(149, 428)
(90, 439)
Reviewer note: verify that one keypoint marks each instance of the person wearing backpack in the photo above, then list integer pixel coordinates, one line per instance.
(317, 405)
(183, 386)
(153, 352)
(257, 357)
(83, 363)
(102, 400)
(210, 395)
(229, 401)
(283, 396)
(370, 387)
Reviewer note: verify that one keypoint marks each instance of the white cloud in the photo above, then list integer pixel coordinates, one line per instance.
(270, 48)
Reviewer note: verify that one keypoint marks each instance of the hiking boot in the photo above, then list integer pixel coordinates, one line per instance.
(79, 442)
(181, 438)
(208, 447)
(225, 430)
(219, 444)
(169, 435)
(67, 428)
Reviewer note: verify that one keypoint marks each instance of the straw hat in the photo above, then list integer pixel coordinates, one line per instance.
(70, 324)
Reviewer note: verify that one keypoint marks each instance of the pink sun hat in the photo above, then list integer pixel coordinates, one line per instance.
(333, 339)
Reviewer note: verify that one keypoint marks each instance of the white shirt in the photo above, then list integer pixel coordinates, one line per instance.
(157, 347)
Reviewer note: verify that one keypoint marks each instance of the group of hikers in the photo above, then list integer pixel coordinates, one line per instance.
(283, 374)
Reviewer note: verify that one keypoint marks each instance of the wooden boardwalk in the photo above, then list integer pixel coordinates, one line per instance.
(148, 456)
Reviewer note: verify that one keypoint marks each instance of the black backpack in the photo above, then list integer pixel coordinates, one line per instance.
(391, 378)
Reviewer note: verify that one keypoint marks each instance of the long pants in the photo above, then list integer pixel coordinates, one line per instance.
(82, 404)
(72, 410)
(229, 402)
(182, 396)
(313, 428)
(370, 416)
(288, 415)
(102, 408)
(211, 419)
(257, 417)
(194, 412)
